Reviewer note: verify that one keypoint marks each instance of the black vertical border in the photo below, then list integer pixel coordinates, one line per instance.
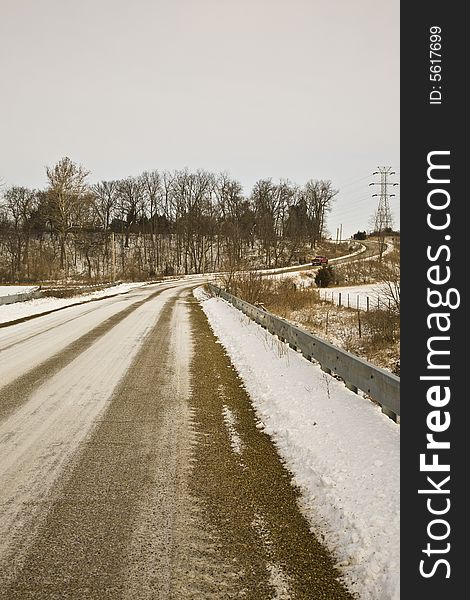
(425, 128)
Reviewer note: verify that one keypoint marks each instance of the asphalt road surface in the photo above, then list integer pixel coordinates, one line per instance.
(131, 466)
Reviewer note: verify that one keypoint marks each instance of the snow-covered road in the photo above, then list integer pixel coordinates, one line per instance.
(30, 343)
(49, 418)
(132, 464)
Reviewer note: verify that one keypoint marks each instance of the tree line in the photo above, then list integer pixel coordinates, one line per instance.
(168, 222)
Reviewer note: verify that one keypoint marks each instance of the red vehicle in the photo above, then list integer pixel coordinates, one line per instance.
(319, 260)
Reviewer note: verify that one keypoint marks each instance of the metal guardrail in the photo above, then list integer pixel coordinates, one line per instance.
(383, 387)
(12, 298)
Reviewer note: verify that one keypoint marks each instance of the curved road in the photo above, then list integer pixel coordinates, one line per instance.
(119, 477)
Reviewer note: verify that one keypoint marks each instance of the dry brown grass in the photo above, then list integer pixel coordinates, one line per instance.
(373, 335)
(284, 297)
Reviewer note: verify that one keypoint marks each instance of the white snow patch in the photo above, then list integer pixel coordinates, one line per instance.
(230, 421)
(277, 578)
(342, 451)
(278, 581)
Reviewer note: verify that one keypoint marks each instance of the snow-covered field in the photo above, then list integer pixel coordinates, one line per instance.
(358, 295)
(342, 451)
(18, 310)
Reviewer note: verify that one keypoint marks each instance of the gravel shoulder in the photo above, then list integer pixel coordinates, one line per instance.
(246, 492)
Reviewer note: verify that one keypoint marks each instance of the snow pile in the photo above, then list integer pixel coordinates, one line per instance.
(342, 451)
(11, 312)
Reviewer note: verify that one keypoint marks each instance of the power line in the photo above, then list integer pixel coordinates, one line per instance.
(357, 202)
(347, 205)
(353, 181)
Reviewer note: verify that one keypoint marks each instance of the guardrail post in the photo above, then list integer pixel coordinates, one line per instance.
(392, 415)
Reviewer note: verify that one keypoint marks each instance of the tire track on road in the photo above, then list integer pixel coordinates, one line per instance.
(38, 442)
(17, 339)
(80, 549)
(119, 519)
(17, 393)
(54, 310)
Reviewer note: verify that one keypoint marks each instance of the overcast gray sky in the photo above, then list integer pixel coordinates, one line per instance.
(291, 89)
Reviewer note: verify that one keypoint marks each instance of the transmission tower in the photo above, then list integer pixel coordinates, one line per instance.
(383, 221)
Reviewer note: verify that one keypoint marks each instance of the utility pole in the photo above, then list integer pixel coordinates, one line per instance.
(383, 217)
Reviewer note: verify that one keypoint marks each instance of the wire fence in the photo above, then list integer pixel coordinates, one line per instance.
(358, 301)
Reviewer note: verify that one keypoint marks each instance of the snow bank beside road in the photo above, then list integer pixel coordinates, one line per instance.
(342, 451)
(19, 310)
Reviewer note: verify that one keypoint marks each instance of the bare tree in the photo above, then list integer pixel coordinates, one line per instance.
(105, 205)
(106, 194)
(129, 202)
(271, 204)
(153, 207)
(180, 221)
(171, 260)
(191, 199)
(234, 226)
(67, 194)
(19, 204)
(263, 198)
(296, 228)
(318, 196)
